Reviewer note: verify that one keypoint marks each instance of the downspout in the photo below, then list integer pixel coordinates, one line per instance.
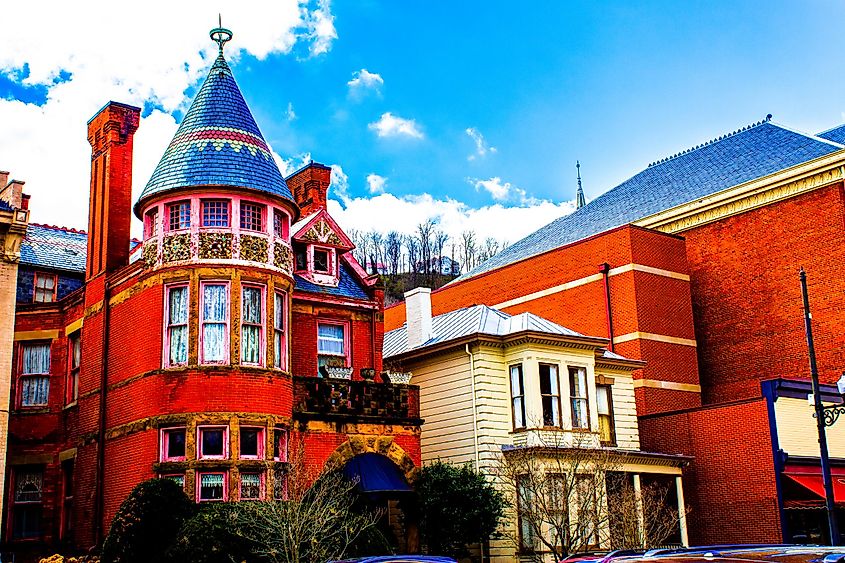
(474, 411)
(99, 506)
(605, 272)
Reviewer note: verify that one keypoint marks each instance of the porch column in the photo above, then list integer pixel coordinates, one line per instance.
(638, 498)
(682, 511)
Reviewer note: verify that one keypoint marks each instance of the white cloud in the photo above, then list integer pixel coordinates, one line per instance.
(362, 81)
(290, 115)
(503, 191)
(290, 165)
(386, 212)
(376, 183)
(339, 185)
(138, 68)
(481, 146)
(390, 125)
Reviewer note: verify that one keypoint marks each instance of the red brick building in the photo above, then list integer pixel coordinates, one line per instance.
(692, 265)
(237, 335)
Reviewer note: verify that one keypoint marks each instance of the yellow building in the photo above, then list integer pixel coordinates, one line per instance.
(515, 394)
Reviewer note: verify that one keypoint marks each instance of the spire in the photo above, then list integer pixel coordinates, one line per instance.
(579, 195)
(218, 142)
(220, 34)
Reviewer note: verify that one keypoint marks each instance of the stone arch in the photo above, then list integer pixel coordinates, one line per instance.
(384, 445)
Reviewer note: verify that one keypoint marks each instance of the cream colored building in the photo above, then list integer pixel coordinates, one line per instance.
(492, 384)
(14, 217)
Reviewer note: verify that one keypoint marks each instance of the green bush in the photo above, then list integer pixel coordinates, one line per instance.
(147, 522)
(215, 534)
(456, 506)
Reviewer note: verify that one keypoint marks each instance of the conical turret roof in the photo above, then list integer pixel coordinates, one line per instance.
(217, 144)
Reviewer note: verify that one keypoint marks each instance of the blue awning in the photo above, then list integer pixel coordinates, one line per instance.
(375, 473)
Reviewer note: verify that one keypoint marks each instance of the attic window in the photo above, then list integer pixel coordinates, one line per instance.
(301, 261)
(321, 260)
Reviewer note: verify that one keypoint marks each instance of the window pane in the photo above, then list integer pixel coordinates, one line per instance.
(280, 221)
(279, 311)
(249, 441)
(215, 213)
(179, 345)
(215, 313)
(36, 358)
(34, 390)
(545, 380)
(27, 521)
(551, 416)
(516, 380)
(28, 485)
(214, 342)
(579, 413)
(321, 261)
(301, 262)
(178, 309)
(180, 215)
(251, 219)
(175, 443)
(602, 399)
(212, 442)
(330, 339)
(518, 413)
(250, 345)
(214, 303)
(76, 351)
(211, 486)
(251, 305)
(250, 486)
(178, 479)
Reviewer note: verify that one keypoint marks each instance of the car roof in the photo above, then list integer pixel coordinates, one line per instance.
(753, 553)
(400, 559)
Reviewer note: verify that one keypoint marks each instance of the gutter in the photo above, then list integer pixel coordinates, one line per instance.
(474, 407)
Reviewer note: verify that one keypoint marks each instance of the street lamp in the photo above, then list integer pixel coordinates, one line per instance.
(830, 413)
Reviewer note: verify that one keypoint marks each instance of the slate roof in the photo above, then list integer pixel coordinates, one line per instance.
(217, 143)
(348, 285)
(54, 248)
(837, 134)
(750, 153)
(478, 319)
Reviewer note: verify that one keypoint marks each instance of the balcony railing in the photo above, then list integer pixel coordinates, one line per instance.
(329, 398)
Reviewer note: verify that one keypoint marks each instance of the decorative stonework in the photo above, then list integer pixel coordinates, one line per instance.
(282, 257)
(322, 232)
(215, 246)
(150, 253)
(176, 248)
(253, 248)
(383, 445)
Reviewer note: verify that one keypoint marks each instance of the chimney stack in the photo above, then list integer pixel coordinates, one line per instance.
(309, 186)
(110, 134)
(418, 315)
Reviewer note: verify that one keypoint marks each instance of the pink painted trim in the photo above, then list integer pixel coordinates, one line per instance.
(165, 354)
(347, 349)
(261, 486)
(225, 430)
(265, 228)
(262, 325)
(283, 444)
(283, 361)
(165, 442)
(262, 437)
(324, 214)
(227, 358)
(225, 475)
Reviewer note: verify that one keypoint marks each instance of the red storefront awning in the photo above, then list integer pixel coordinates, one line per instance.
(811, 478)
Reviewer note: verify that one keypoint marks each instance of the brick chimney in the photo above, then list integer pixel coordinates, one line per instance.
(418, 315)
(309, 186)
(109, 213)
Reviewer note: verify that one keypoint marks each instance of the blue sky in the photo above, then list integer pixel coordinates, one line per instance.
(613, 84)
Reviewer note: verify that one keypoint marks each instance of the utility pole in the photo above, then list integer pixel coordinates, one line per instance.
(817, 396)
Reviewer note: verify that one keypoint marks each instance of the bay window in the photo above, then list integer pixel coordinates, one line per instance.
(177, 325)
(578, 397)
(215, 213)
(215, 323)
(35, 374)
(279, 340)
(179, 215)
(27, 503)
(75, 357)
(252, 324)
(252, 217)
(604, 406)
(517, 396)
(550, 394)
(211, 486)
(331, 344)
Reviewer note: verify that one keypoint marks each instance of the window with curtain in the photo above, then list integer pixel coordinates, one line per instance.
(331, 344)
(252, 216)
(557, 487)
(179, 215)
(75, 354)
(215, 213)
(517, 396)
(27, 503)
(212, 486)
(35, 374)
(250, 486)
(45, 288)
(215, 323)
(586, 487)
(604, 406)
(525, 513)
(279, 356)
(177, 325)
(578, 397)
(252, 324)
(550, 394)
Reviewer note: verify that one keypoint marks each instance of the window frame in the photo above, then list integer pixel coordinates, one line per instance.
(261, 486)
(261, 325)
(225, 495)
(280, 356)
(170, 208)
(521, 373)
(72, 379)
(543, 396)
(66, 509)
(17, 471)
(329, 271)
(573, 398)
(280, 444)
(284, 223)
(168, 327)
(346, 340)
(523, 501)
(151, 222)
(173, 476)
(164, 440)
(261, 439)
(262, 216)
(33, 375)
(35, 288)
(226, 356)
(611, 416)
(200, 429)
(227, 206)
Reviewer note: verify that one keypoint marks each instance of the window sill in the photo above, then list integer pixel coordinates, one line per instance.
(32, 410)
(70, 405)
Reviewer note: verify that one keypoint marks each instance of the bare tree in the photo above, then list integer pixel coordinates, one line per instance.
(376, 258)
(467, 250)
(393, 251)
(424, 238)
(413, 246)
(440, 240)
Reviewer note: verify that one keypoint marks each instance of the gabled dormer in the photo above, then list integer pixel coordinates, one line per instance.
(318, 247)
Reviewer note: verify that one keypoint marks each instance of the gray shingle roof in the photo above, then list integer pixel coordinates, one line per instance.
(750, 153)
(837, 134)
(478, 319)
(54, 248)
(348, 285)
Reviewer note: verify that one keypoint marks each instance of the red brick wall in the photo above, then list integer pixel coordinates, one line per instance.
(731, 481)
(747, 297)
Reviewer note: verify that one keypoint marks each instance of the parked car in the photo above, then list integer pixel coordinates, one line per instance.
(601, 556)
(400, 559)
(742, 553)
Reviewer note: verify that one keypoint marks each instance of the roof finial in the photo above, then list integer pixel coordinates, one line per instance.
(580, 201)
(220, 34)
